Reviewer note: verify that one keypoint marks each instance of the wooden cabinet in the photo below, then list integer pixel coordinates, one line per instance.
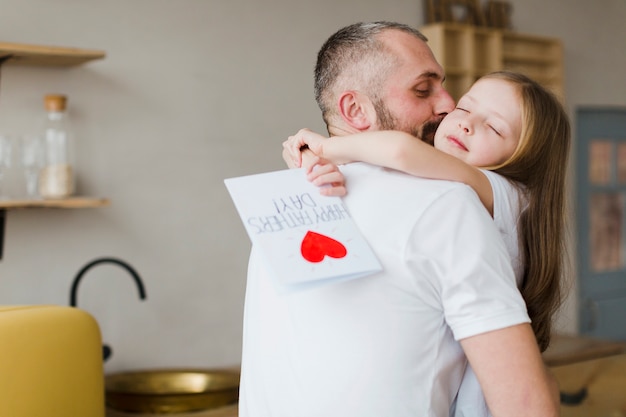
(46, 56)
(468, 52)
(539, 58)
(465, 52)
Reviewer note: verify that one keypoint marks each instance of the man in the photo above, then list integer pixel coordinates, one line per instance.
(393, 343)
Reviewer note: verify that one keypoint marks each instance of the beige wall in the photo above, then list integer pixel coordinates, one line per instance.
(192, 92)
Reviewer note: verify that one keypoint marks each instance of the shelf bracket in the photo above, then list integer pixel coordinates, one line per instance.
(3, 212)
(3, 217)
(5, 58)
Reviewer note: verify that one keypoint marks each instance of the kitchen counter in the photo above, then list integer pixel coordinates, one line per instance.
(566, 349)
(591, 374)
(568, 356)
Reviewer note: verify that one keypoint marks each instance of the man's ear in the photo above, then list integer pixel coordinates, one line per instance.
(357, 110)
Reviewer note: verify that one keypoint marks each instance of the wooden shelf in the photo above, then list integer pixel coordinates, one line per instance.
(67, 203)
(520, 57)
(47, 56)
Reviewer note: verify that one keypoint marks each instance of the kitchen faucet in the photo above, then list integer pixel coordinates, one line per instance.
(106, 350)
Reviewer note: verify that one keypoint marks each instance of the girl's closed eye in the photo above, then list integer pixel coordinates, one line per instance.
(495, 130)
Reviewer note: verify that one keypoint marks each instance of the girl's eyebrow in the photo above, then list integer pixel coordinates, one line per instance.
(468, 97)
(495, 112)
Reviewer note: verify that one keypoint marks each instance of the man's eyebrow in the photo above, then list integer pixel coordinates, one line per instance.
(432, 74)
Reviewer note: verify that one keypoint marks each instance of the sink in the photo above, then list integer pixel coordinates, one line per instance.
(164, 391)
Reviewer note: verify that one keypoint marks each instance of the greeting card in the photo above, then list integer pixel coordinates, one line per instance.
(305, 237)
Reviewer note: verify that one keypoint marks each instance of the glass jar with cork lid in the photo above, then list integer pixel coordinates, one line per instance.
(57, 175)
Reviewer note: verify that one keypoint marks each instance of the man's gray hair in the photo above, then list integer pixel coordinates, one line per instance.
(355, 58)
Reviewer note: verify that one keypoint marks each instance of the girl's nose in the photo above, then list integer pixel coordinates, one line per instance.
(466, 126)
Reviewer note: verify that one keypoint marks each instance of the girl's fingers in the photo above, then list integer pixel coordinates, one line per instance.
(328, 179)
(321, 168)
(333, 191)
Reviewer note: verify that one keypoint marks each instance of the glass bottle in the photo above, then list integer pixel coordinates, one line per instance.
(57, 175)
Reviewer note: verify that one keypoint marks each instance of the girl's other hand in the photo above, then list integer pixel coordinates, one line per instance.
(293, 146)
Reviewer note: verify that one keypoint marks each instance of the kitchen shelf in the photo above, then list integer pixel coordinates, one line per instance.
(72, 202)
(66, 203)
(46, 56)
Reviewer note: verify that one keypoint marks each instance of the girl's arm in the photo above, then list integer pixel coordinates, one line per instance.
(396, 150)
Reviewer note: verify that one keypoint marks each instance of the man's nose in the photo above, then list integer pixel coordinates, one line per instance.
(444, 103)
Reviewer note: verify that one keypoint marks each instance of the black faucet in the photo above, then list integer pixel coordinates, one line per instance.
(106, 350)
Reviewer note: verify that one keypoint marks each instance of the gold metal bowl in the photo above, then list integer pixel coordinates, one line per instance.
(164, 391)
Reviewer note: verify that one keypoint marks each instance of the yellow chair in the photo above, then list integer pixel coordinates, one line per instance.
(50, 362)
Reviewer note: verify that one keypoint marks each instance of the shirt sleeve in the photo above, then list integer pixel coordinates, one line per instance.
(508, 203)
(469, 267)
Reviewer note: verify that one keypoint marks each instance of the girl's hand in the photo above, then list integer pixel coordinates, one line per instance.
(293, 146)
(320, 172)
(328, 178)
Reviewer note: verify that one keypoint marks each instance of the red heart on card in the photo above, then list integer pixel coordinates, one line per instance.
(315, 247)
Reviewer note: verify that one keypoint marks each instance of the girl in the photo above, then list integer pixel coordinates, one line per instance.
(508, 138)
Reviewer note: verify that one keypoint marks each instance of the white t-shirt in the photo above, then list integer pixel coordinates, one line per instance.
(508, 204)
(386, 344)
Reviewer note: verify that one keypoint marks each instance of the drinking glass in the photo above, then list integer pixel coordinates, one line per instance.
(31, 156)
(5, 160)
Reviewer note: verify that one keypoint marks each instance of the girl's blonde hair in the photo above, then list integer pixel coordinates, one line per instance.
(540, 163)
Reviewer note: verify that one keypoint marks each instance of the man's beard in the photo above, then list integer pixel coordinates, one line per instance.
(387, 121)
(428, 131)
